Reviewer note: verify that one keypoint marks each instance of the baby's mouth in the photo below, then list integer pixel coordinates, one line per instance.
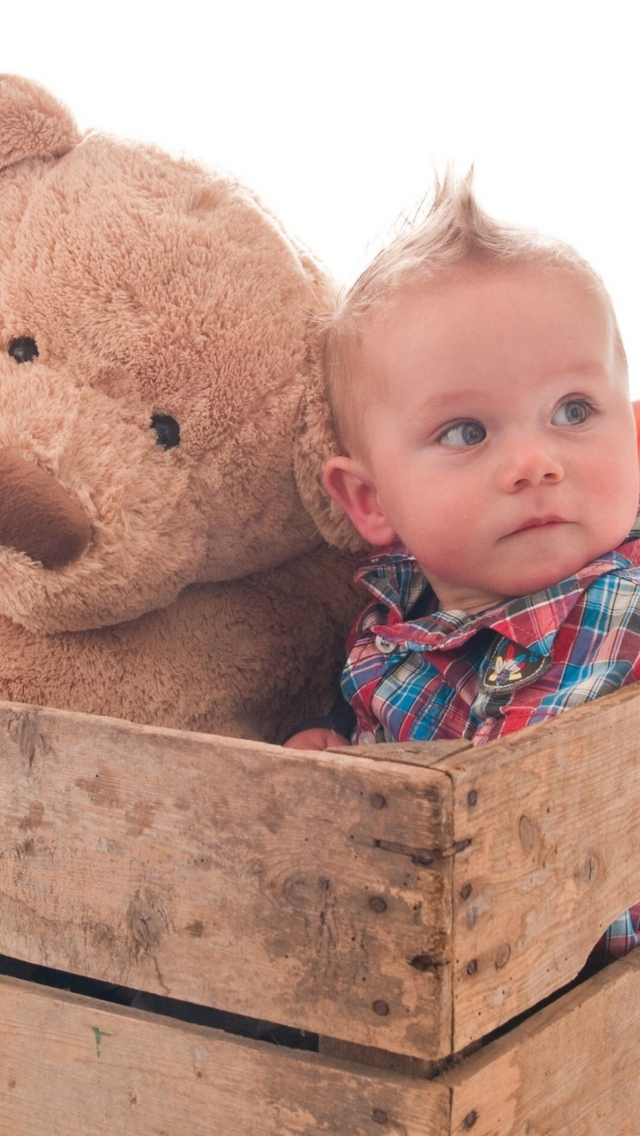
(539, 522)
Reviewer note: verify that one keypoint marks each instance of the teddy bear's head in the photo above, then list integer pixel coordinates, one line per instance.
(162, 414)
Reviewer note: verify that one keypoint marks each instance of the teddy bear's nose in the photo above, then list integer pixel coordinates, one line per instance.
(37, 516)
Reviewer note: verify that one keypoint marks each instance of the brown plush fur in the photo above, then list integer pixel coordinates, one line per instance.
(185, 586)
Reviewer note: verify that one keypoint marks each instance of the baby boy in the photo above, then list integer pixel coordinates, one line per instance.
(479, 389)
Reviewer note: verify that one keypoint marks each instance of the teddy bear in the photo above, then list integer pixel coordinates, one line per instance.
(163, 424)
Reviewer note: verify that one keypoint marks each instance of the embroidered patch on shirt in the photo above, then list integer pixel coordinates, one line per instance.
(511, 666)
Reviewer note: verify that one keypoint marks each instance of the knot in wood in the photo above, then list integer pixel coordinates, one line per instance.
(589, 869)
(146, 921)
(527, 834)
(502, 956)
(301, 892)
(24, 730)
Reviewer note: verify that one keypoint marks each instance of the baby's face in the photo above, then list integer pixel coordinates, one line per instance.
(500, 443)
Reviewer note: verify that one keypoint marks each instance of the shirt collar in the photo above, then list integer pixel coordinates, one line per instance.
(394, 578)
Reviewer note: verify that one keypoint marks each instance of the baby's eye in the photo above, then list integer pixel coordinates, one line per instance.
(463, 434)
(572, 413)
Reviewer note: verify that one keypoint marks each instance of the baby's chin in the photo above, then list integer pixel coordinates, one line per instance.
(540, 578)
(540, 558)
(522, 564)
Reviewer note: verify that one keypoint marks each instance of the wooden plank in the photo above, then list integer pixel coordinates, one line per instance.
(304, 888)
(378, 1058)
(552, 817)
(72, 1066)
(571, 1070)
(426, 754)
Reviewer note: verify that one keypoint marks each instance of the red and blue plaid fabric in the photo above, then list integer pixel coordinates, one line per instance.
(453, 674)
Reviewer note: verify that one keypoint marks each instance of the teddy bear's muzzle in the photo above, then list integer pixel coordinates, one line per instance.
(37, 515)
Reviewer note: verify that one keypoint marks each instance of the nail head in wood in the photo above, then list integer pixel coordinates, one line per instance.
(377, 801)
(380, 1007)
(470, 1119)
(423, 963)
(380, 1116)
(472, 798)
(465, 891)
(472, 966)
(377, 903)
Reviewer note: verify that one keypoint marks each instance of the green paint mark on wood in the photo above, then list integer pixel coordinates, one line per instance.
(99, 1034)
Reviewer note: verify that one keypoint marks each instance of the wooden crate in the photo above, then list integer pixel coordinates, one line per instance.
(400, 901)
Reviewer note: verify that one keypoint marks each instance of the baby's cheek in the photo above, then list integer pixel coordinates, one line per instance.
(619, 478)
(451, 551)
(614, 489)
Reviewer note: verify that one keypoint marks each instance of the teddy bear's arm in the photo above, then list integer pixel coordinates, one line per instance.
(221, 659)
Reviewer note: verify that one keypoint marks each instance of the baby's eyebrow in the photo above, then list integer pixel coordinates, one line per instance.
(569, 374)
(452, 398)
(584, 370)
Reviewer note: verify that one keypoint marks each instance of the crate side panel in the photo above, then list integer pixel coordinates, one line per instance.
(73, 1066)
(298, 888)
(572, 1069)
(553, 817)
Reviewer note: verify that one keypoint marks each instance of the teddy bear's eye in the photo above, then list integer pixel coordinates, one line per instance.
(23, 349)
(167, 430)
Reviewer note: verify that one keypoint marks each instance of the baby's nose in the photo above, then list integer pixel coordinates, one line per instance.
(532, 462)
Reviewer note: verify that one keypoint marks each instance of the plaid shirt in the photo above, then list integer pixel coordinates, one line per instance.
(413, 676)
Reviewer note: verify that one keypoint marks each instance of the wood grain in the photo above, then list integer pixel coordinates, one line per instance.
(572, 1069)
(308, 889)
(426, 754)
(552, 815)
(71, 1066)
(317, 890)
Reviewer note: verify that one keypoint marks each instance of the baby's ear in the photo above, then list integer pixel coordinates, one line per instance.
(350, 486)
(32, 123)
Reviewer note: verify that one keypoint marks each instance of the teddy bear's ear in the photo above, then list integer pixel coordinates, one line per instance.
(32, 123)
(315, 442)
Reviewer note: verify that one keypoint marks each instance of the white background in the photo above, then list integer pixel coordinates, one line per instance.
(337, 112)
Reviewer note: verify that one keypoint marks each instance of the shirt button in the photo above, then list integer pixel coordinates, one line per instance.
(385, 646)
(367, 738)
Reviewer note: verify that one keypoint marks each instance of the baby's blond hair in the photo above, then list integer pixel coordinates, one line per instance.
(454, 232)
